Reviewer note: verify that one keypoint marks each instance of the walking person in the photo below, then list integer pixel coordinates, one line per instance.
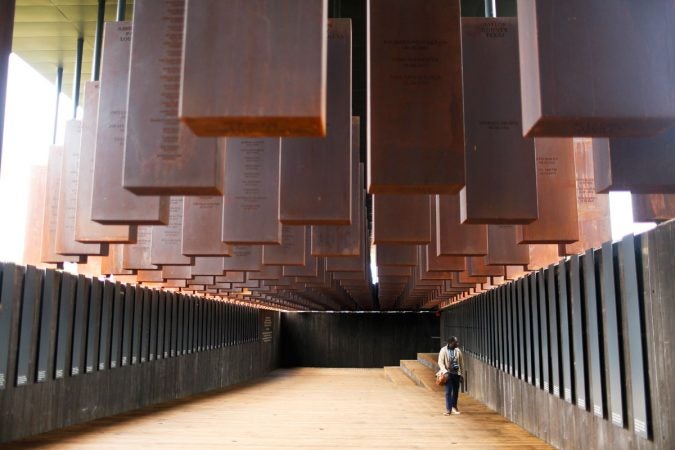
(451, 364)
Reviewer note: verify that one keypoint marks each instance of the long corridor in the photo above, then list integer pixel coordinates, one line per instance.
(301, 408)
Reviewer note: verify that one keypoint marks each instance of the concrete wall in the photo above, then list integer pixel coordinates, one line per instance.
(356, 339)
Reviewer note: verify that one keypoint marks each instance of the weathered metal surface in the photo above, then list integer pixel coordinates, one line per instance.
(592, 209)
(503, 248)
(202, 227)
(251, 201)
(65, 226)
(495, 147)
(176, 272)
(161, 155)
(557, 221)
(279, 85)
(395, 255)
(653, 207)
(166, 240)
(291, 251)
(619, 83)
(50, 221)
(388, 209)
(86, 230)
(415, 52)
(316, 173)
(244, 258)
(454, 237)
(344, 240)
(477, 266)
(137, 255)
(37, 192)
(113, 262)
(643, 166)
(112, 204)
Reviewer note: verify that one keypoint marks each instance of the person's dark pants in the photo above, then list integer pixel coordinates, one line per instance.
(451, 392)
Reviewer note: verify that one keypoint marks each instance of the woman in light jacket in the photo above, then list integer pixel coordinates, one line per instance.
(451, 363)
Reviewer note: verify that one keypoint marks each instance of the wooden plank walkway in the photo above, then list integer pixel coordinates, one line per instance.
(300, 408)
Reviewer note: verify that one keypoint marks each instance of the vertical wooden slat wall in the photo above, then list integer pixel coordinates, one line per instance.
(592, 333)
(74, 349)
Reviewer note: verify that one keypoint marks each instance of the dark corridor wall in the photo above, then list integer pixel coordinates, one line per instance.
(356, 339)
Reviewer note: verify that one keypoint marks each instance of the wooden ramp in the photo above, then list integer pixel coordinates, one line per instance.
(301, 408)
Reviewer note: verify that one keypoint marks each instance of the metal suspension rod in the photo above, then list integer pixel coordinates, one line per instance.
(59, 85)
(490, 8)
(78, 76)
(6, 31)
(98, 40)
(121, 10)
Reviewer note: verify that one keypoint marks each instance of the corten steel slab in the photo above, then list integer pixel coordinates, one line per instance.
(231, 277)
(503, 248)
(542, 256)
(149, 276)
(291, 251)
(208, 265)
(176, 272)
(477, 266)
(464, 277)
(456, 238)
(344, 240)
(653, 207)
(311, 266)
(244, 258)
(279, 85)
(111, 203)
(434, 261)
(395, 255)
(86, 230)
(166, 239)
(202, 226)
(345, 263)
(592, 208)
(351, 276)
(556, 188)
(65, 229)
(316, 173)
(202, 279)
(415, 100)
(393, 271)
(501, 179)
(643, 166)
(161, 155)
(251, 201)
(49, 224)
(401, 219)
(169, 284)
(92, 266)
(265, 273)
(137, 255)
(112, 263)
(610, 74)
(37, 191)
(246, 284)
(423, 268)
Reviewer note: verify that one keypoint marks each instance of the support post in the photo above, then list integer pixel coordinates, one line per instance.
(59, 84)
(98, 41)
(78, 76)
(6, 31)
(490, 8)
(121, 10)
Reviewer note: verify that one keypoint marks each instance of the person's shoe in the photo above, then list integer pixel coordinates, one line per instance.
(447, 413)
(454, 411)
